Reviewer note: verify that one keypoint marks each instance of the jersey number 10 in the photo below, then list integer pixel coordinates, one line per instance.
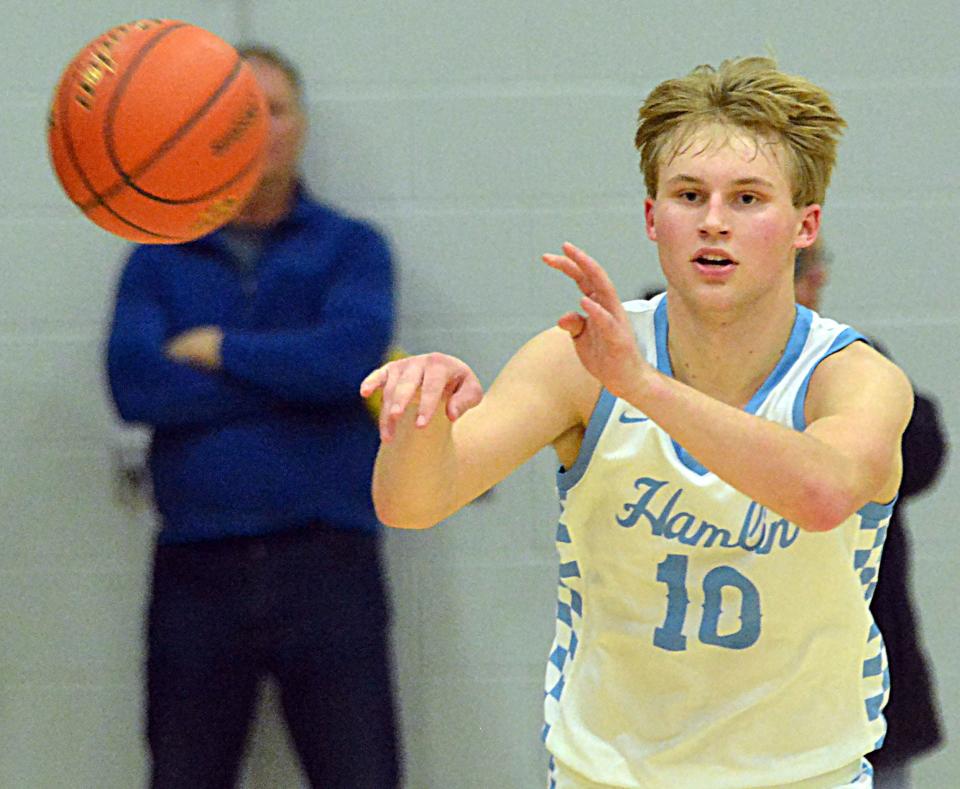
(673, 572)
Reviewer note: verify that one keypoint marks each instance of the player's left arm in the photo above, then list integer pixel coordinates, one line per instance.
(858, 405)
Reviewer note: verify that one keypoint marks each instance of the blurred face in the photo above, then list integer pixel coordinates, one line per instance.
(809, 284)
(724, 222)
(288, 121)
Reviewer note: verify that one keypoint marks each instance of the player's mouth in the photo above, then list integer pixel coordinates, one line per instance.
(713, 261)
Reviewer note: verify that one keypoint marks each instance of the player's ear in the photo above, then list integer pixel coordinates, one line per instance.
(809, 226)
(648, 216)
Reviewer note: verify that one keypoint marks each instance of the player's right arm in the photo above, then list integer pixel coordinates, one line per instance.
(443, 442)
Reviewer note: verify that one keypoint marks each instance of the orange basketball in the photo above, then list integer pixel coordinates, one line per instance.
(157, 131)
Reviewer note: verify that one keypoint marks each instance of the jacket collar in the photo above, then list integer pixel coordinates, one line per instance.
(304, 208)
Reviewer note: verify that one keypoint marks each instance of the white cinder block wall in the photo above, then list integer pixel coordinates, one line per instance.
(478, 136)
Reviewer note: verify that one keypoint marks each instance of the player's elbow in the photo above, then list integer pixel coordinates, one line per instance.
(397, 513)
(823, 507)
(410, 525)
(397, 518)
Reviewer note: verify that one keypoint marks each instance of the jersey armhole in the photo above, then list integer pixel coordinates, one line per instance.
(567, 478)
(845, 338)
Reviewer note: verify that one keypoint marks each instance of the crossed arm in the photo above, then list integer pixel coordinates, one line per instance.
(208, 375)
(431, 463)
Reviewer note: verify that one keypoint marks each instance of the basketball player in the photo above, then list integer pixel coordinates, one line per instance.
(243, 351)
(728, 462)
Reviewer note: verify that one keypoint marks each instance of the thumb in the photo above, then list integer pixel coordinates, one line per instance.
(573, 323)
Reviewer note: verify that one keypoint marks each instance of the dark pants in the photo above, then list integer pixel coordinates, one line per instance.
(307, 607)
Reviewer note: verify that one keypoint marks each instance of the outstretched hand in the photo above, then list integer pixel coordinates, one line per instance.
(430, 379)
(604, 337)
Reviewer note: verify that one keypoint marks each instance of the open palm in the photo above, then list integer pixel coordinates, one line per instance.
(604, 337)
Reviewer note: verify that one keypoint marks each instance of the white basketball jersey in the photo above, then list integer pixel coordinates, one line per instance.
(702, 640)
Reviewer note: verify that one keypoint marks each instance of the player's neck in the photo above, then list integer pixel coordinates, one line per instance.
(270, 202)
(727, 356)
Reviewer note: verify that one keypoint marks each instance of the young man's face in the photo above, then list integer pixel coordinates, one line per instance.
(724, 221)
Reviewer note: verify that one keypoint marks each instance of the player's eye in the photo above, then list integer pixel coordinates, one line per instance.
(748, 199)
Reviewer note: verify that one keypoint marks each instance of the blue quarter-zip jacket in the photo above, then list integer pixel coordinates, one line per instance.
(279, 437)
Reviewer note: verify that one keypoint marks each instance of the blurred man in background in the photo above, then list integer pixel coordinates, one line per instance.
(244, 351)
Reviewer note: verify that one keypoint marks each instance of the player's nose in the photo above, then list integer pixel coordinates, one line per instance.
(714, 220)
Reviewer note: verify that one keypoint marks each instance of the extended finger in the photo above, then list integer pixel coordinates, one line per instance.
(599, 286)
(436, 381)
(601, 319)
(403, 380)
(373, 381)
(585, 271)
(566, 266)
(408, 382)
(391, 373)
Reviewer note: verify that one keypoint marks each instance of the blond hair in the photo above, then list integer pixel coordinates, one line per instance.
(748, 94)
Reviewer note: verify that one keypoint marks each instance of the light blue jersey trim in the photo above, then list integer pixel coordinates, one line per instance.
(798, 338)
(875, 511)
(567, 478)
(874, 518)
(865, 776)
(845, 338)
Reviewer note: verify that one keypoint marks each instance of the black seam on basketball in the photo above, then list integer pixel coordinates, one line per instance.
(166, 145)
(118, 186)
(72, 155)
(206, 195)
